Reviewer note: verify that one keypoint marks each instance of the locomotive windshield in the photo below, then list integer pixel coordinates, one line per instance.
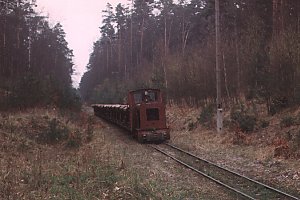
(137, 97)
(145, 96)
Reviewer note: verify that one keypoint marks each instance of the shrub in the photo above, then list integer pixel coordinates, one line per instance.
(206, 114)
(192, 126)
(54, 132)
(297, 119)
(277, 104)
(245, 121)
(289, 145)
(27, 92)
(90, 129)
(263, 123)
(70, 99)
(74, 139)
(296, 143)
(287, 121)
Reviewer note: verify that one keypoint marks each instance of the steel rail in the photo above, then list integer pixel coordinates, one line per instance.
(203, 174)
(232, 172)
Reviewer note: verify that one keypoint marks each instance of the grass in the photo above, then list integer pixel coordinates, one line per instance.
(86, 159)
(252, 154)
(47, 154)
(36, 146)
(75, 183)
(52, 155)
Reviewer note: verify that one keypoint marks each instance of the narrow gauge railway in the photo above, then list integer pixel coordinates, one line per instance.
(144, 115)
(244, 187)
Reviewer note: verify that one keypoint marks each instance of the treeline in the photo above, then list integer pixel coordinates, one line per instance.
(35, 61)
(172, 46)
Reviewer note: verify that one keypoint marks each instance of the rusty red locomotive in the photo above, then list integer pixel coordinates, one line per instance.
(144, 115)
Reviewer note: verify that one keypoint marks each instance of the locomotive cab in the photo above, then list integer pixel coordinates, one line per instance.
(148, 115)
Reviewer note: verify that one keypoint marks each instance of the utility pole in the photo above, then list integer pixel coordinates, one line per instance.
(218, 71)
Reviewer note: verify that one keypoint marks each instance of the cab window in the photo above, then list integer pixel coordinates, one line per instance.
(137, 97)
(145, 96)
(150, 96)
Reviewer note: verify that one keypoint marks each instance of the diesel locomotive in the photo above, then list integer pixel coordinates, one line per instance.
(144, 115)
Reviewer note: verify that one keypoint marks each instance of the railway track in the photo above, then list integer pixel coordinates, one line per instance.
(242, 186)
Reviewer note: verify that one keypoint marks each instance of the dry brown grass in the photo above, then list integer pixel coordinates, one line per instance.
(257, 154)
(34, 166)
(108, 165)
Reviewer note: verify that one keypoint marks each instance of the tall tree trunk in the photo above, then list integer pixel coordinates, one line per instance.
(297, 71)
(2, 69)
(165, 36)
(277, 17)
(237, 52)
(165, 56)
(131, 37)
(298, 31)
(225, 76)
(169, 33)
(107, 58)
(184, 34)
(142, 38)
(4, 31)
(119, 50)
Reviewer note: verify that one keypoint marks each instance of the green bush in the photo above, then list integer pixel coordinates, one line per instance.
(277, 104)
(90, 129)
(70, 99)
(192, 126)
(245, 121)
(296, 142)
(263, 123)
(74, 139)
(206, 114)
(287, 121)
(27, 92)
(54, 133)
(297, 119)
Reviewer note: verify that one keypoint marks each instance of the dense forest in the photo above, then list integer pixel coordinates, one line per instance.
(171, 45)
(35, 61)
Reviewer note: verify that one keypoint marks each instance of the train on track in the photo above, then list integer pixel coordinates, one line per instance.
(144, 115)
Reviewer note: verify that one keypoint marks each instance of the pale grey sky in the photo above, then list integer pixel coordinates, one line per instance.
(81, 20)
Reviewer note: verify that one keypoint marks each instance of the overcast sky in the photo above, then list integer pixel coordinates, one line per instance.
(81, 20)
